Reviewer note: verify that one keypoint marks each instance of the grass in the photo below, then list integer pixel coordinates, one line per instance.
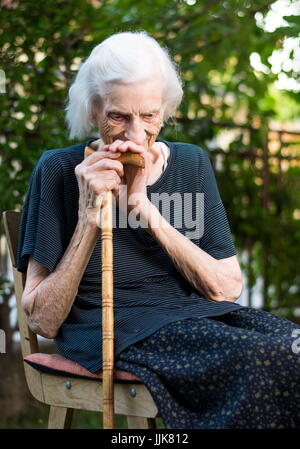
(37, 418)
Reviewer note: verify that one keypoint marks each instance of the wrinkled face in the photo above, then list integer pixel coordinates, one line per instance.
(132, 112)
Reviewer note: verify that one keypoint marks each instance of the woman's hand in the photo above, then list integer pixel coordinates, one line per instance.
(96, 174)
(134, 177)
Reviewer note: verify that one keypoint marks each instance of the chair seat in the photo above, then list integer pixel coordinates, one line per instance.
(57, 364)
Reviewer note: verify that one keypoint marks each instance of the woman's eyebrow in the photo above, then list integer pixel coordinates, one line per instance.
(151, 111)
(116, 111)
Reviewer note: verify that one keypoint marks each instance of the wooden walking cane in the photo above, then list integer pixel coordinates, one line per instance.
(105, 222)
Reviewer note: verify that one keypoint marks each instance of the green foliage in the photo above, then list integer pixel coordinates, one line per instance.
(271, 232)
(37, 418)
(42, 45)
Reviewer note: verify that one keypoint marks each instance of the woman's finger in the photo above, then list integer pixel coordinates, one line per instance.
(121, 146)
(98, 155)
(113, 146)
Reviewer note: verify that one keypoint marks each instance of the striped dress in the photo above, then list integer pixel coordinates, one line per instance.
(149, 292)
(207, 365)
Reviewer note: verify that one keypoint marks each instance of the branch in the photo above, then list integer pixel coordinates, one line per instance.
(187, 22)
(252, 12)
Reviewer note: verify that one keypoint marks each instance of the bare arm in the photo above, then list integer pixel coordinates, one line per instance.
(218, 280)
(48, 297)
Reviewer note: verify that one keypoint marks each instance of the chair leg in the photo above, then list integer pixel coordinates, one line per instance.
(138, 422)
(60, 417)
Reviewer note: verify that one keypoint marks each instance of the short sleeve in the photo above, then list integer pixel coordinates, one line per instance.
(217, 239)
(42, 225)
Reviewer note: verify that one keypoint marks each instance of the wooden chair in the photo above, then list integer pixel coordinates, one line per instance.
(62, 383)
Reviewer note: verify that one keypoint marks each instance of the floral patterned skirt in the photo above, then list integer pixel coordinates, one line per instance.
(237, 370)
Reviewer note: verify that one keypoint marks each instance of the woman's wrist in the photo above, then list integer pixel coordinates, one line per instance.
(137, 202)
(148, 214)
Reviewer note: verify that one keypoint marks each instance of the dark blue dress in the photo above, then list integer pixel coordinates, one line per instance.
(166, 332)
(240, 370)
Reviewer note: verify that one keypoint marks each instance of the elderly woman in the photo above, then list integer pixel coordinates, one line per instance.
(208, 361)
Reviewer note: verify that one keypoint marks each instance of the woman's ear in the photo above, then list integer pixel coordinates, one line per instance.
(163, 113)
(94, 119)
(96, 111)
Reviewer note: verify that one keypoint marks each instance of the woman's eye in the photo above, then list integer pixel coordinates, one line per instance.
(117, 117)
(148, 116)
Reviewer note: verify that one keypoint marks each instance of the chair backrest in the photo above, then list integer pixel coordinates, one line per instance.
(28, 339)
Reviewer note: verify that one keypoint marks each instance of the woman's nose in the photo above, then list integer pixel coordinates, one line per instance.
(136, 133)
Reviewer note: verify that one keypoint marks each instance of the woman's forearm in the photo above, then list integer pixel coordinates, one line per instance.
(55, 295)
(203, 272)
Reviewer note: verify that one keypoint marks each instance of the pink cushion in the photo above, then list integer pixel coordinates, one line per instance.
(57, 362)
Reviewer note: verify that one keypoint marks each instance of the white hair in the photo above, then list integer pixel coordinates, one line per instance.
(128, 57)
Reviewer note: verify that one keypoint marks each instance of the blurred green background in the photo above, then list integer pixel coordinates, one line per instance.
(240, 63)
